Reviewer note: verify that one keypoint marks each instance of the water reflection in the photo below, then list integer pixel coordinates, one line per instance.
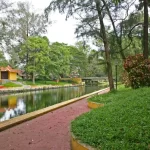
(19, 104)
(14, 108)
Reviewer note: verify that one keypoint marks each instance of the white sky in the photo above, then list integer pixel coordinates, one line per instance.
(60, 30)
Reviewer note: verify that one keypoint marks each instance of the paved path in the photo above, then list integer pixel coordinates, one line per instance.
(47, 132)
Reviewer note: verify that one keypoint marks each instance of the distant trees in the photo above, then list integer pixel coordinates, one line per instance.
(52, 60)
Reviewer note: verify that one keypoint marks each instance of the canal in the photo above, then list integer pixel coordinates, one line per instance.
(18, 104)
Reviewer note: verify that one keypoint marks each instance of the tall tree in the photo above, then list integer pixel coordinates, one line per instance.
(5, 6)
(106, 45)
(143, 4)
(23, 22)
(3, 61)
(38, 50)
(145, 51)
(91, 15)
(60, 55)
(79, 58)
(117, 15)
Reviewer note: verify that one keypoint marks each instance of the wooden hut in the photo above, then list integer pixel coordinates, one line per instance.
(7, 73)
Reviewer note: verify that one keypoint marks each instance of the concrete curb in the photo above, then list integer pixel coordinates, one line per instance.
(17, 120)
(77, 145)
(94, 105)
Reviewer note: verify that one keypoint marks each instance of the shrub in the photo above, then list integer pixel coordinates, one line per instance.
(77, 80)
(125, 79)
(138, 70)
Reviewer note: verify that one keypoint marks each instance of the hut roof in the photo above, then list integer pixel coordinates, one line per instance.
(8, 68)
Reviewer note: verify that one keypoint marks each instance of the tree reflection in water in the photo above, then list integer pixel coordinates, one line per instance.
(10, 112)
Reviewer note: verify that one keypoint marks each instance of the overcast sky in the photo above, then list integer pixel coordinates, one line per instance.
(60, 30)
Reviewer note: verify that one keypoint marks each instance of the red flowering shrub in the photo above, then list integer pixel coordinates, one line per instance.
(138, 70)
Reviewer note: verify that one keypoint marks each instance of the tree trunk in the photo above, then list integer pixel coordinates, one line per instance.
(145, 37)
(105, 41)
(33, 73)
(115, 31)
(33, 78)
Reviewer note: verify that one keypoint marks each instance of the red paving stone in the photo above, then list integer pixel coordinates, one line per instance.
(47, 132)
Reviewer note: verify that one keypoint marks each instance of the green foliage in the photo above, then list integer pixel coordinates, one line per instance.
(60, 56)
(37, 49)
(97, 64)
(47, 82)
(11, 84)
(123, 122)
(3, 61)
(138, 70)
(79, 59)
(20, 22)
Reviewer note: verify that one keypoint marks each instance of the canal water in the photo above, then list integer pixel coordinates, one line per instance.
(18, 104)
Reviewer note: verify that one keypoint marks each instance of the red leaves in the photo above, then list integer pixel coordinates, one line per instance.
(138, 70)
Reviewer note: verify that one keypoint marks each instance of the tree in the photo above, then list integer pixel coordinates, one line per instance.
(5, 6)
(91, 15)
(143, 4)
(96, 64)
(79, 58)
(117, 21)
(145, 29)
(60, 55)
(3, 61)
(22, 22)
(38, 52)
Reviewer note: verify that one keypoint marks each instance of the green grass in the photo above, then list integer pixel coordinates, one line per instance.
(11, 84)
(45, 83)
(104, 83)
(122, 124)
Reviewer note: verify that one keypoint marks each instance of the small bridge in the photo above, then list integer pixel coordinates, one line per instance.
(94, 80)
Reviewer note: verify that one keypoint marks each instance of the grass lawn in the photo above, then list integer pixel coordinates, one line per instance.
(11, 84)
(45, 83)
(122, 124)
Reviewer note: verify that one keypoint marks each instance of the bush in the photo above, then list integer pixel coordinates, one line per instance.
(138, 70)
(72, 80)
(77, 80)
(125, 79)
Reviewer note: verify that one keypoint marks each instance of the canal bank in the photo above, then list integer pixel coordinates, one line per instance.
(34, 88)
(49, 131)
(17, 120)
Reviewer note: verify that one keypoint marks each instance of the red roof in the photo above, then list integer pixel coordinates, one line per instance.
(8, 68)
